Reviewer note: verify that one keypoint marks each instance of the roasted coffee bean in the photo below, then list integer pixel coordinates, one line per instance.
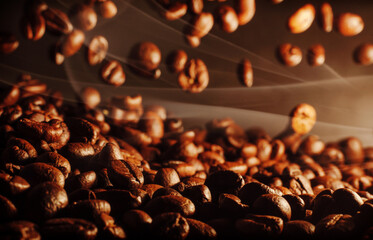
(125, 174)
(349, 24)
(136, 223)
(79, 154)
(36, 173)
(113, 74)
(134, 136)
(274, 205)
(170, 203)
(260, 226)
(335, 226)
(353, 150)
(12, 185)
(90, 97)
(81, 194)
(169, 226)
(145, 57)
(316, 55)
(298, 229)
(58, 58)
(73, 228)
(57, 161)
(178, 60)
(303, 118)
(224, 182)
(107, 9)
(8, 43)
(195, 77)
(251, 191)
(175, 11)
(199, 194)
(119, 200)
(82, 130)
(35, 27)
(7, 209)
(82, 180)
(193, 41)
(331, 155)
(19, 230)
(277, 1)
(298, 206)
(346, 201)
(10, 95)
(196, 6)
(152, 125)
(364, 54)
(97, 50)
(302, 19)
(45, 201)
(72, 43)
(312, 146)
(19, 151)
(246, 73)
(202, 24)
(228, 18)
(159, 110)
(200, 230)
(87, 209)
(57, 21)
(165, 191)
(289, 54)
(84, 17)
(326, 17)
(231, 206)
(245, 11)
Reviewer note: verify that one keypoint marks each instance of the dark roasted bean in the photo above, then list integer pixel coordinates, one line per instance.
(298, 229)
(73, 228)
(260, 226)
(245, 11)
(57, 21)
(169, 226)
(349, 24)
(36, 173)
(224, 182)
(170, 203)
(125, 174)
(289, 54)
(8, 44)
(274, 205)
(136, 223)
(19, 230)
(113, 74)
(84, 17)
(335, 226)
(199, 230)
(107, 9)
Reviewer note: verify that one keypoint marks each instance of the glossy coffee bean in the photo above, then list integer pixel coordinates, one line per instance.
(274, 205)
(146, 56)
(113, 74)
(297, 205)
(202, 24)
(346, 201)
(335, 226)
(199, 194)
(57, 161)
(353, 150)
(326, 17)
(193, 41)
(195, 77)
(316, 55)
(125, 174)
(169, 226)
(364, 54)
(349, 24)
(166, 177)
(107, 9)
(196, 6)
(35, 27)
(57, 21)
(119, 200)
(302, 19)
(245, 11)
(20, 230)
(298, 229)
(83, 180)
(251, 191)
(84, 17)
(289, 54)
(88, 209)
(175, 11)
(72, 43)
(136, 223)
(12, 185)
(200, 230)
(8, 43)
(166, 191)
(170, 203)
(73, 228)
(260, 226)
(97, 50)
(228, 18)
(303, 118)
(36, 173)
(246, 73)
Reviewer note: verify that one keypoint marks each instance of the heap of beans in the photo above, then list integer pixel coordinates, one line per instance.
(128, 171)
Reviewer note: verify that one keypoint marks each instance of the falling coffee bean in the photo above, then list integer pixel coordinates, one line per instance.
(349, 24)
(178, 60)
(245, 11)
(196, 6)
(112, 73)
(97, 50)
(195, 76)
(326, 17)
(316, 55)
(364, 54)
(72, 43)
(84, 17)
(228, 18)
(303, 118)
(193, 41)
(145, 59)
(91, 97)
(202, 24)
(8, 43)
(57, 21)
(246, 73)
(302, 19)
(107, 9)
(175, 11)
(35, 27)
(290, 55)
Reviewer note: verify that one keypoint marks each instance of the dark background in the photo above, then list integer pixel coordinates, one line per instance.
(340, 90)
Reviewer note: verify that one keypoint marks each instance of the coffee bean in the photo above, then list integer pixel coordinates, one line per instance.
(335, 226)
(260, 226)
(136, 223)
(346, 201)
(8, 210)
(19, 230)
(316, 55)
(202, 24)
(195, 76)
(224, 182)
(113, 74)
(36, 173)
(353, 150)
(10, 95)
(81, 194)
(35, 27)
(246, 73)
(12, 185)
(326, 17)
(97, 50)
(199, 194)
(245, 11)
(82, 130)
(364, 54)
(45, 201)
(124, 174)
(312, 145)
(166, 191)
(298, 229)
(178, 60)
(228, 18)
(8, 43)
(19, 151)
(193, 41)
(303, 118)
(57, 21)
(251, 191)
(297, 205)
(87, 209)
(62, 228)
(196, 6)
(200, 230)
(83, 180)
(349, 24)
(72, 43)
(289, 54)
(57, 161)
(170, 203)
(84, 17)
(274, 205)
(175, 11)
(119, 200)
(107, 9)
(302, 19)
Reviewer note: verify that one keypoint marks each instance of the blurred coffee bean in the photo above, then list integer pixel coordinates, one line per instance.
(8, 43)
(289, 54)
(297, 205)
(274, 205)
(83, 17)
(73, 228)
(169, 226)
(246, 73)
(353, 150)
(97, 50)
(200, 230)
(202, 24)
(335, 226)
(251, 191)
(195, 77)
(119, 200)
(364, 54)
(87, 209)
(136, 223)
(331, 155)
(245, 11)
(19, 230)
(312, 145)
(302, 19)
(81, 194)
(113, 74)
(349, 24)
(57, 21)
(196, 6)
(145, 57)
(178, 60)
(298, 229)
(170, 203)
(303, 118)
(107, 9)
(90, 97)
(36, 173)
(166, 177)
(193, 41)
(175, 11)
(34, 27)
(10, 95)
(346, 201)
(72, 43)
(228, 18)
(260, 226)
(326, 17)
(316, 55)
(7, 209)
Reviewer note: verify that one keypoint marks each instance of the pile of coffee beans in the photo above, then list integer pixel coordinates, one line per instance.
(121, 170)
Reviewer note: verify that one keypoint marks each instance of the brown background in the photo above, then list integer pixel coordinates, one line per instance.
(341, 90)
